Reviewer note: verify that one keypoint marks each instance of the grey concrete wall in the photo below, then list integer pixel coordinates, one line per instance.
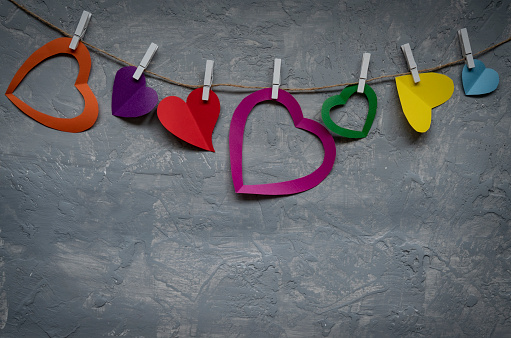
(124, 230)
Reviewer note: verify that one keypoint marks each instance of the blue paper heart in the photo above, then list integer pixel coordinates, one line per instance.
(479, 80)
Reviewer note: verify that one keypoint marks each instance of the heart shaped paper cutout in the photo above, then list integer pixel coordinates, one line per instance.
(89, 114)
(417, 99)
(130, 97)
(237, 130)
(340, 100)
(479, 80)
(192, 121)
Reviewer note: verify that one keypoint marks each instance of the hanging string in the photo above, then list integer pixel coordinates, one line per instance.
(190, 86)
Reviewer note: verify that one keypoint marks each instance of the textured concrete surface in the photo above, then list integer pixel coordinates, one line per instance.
(124, 230)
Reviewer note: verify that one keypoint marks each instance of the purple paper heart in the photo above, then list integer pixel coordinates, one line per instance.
(131, 98)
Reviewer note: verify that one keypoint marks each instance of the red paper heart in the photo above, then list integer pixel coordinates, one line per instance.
(192, 121)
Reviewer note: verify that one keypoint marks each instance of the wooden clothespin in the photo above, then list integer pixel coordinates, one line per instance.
(407, 51)
(80, 29)
(363, 72)
(145, 60)
(465, 47)
(276, 79)
(208, 80)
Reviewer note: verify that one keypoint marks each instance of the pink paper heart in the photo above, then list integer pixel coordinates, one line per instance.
(237, 130)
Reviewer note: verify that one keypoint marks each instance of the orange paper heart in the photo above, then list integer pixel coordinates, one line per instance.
(89, 114)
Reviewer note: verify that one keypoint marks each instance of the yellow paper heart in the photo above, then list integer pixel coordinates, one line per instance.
(417, 99)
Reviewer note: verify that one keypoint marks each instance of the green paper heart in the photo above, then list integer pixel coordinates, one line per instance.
(340, 100)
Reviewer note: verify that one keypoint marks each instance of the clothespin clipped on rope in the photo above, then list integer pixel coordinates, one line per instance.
(80, 29)
(363, 72)
(407, 51)
(465, 47)
(208, 80)
(145, 60)
(276, 79)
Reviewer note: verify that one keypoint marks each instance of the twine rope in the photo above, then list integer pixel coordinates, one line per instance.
(190, 86)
